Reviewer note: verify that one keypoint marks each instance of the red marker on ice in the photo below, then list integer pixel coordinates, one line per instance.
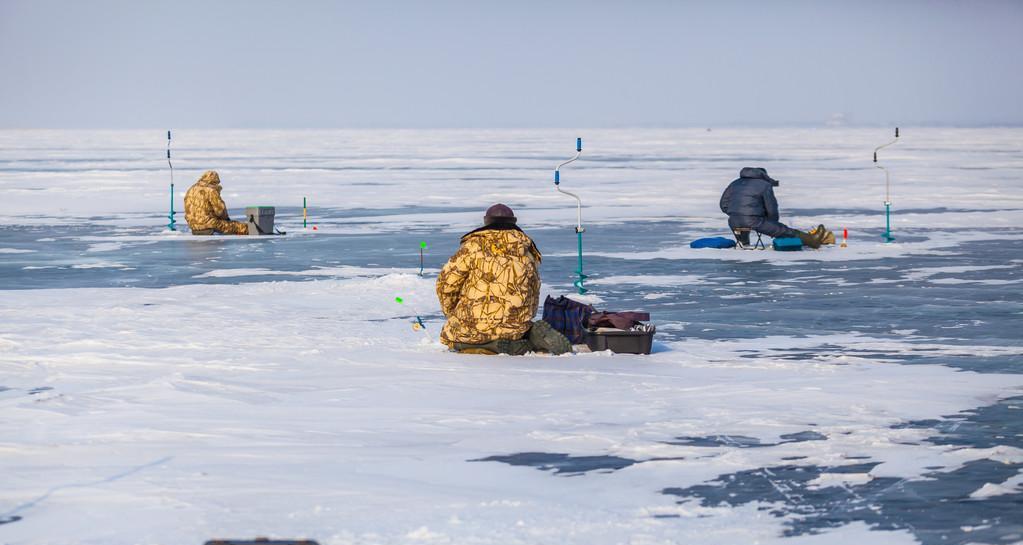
(845, 238)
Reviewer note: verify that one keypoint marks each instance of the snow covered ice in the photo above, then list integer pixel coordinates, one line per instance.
(160, 388)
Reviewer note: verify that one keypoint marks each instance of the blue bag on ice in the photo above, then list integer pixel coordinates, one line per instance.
(788, 244)
(712, 242)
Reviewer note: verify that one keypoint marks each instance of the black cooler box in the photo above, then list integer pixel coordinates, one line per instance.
(638, 340)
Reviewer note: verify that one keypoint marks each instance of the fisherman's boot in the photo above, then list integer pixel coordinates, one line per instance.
(826, 236)
(544, 337)
(811, 240)
(829, 236)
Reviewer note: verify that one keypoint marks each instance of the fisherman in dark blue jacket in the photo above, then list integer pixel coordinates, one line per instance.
(749, 202)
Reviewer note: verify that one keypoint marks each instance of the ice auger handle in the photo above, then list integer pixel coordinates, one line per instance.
(578, 213)
(171, 165)
(887, 236)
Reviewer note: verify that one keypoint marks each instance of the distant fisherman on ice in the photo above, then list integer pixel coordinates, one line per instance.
(750, 203)
(205, 210)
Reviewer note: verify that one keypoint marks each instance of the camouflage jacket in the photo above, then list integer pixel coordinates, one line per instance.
(204, 209)
(490, 288)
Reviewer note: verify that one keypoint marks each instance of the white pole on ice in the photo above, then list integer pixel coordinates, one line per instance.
(887, 191)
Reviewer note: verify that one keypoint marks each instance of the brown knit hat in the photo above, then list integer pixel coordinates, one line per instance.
(499, 213)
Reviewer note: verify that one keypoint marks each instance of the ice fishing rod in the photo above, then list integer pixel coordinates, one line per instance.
(578, 213)
(887, 236)
(171, 215)
(418, 323)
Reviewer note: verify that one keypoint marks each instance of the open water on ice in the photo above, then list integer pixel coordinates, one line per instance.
(957, 292)
(947, 294)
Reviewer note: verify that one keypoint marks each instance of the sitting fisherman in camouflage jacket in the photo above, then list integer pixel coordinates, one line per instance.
(489, 291)
(206, 212)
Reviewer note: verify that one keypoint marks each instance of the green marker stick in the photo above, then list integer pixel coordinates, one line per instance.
(422, 247)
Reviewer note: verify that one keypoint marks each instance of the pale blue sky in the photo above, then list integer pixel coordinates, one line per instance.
(508, 64)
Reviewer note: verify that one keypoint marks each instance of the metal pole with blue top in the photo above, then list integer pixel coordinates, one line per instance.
(579, 214)
(887, 236)
(171, 215)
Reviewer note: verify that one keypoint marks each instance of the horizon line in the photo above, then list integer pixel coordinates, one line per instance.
(537, 128)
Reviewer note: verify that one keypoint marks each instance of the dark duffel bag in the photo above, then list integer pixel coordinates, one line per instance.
(567, 317)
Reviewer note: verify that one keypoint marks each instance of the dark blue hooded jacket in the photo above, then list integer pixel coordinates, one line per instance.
(750, 199)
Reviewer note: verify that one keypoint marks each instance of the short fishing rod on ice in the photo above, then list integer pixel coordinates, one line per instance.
(579, 214)
(887, 236)
(418, 324)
